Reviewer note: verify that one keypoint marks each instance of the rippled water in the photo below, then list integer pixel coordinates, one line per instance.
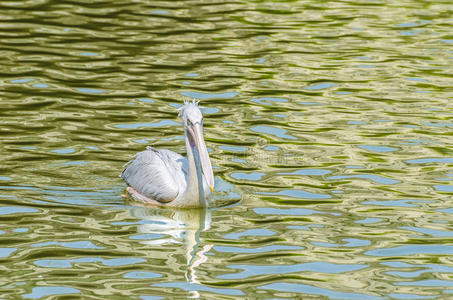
(329, 122)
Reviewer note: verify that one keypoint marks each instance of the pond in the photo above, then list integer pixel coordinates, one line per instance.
(329, 126)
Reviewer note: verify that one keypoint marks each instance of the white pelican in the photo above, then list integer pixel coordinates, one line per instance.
(164, 178)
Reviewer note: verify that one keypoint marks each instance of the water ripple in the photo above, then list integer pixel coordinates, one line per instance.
(7, 210)
(255, 250)
(161, 123)
(328, 126)
(198, 287)
(73, 245)
(252, 270)
(43, 291)
(378, 148)
(68, 263)
(282, 211)
(297, 194)
(430, 160)
(319, 172)
(312, 290)
(411, 250)
(250, 232)
(373, 177)
(278, 132)
(417, 269)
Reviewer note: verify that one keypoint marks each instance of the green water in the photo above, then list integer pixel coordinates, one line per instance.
(329, 125)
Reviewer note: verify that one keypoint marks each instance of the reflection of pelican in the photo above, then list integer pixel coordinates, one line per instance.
(175, 226)
(165, 178)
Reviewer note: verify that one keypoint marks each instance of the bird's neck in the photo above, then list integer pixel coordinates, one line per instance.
(194, 193)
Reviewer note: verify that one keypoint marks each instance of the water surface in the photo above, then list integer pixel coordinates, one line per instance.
(328, 125)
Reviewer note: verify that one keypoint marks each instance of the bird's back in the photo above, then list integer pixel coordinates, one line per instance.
(159, 174)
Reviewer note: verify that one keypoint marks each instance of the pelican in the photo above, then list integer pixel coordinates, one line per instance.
(164, 178)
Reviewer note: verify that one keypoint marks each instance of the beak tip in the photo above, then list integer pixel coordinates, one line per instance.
(212, 188)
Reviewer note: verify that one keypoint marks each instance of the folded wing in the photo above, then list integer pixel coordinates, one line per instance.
(157, 174)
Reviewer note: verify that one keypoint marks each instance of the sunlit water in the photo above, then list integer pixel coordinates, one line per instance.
(329, 125)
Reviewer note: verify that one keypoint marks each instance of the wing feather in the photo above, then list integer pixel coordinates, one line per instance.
(156, 174)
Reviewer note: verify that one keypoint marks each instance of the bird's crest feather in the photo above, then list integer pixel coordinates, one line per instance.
(187, 103)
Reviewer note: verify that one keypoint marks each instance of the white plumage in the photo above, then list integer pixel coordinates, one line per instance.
(165, 178)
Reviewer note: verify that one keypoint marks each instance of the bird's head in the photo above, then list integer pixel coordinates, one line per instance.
(191, 114)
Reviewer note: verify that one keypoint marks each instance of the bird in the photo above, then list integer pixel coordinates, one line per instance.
(164, 178)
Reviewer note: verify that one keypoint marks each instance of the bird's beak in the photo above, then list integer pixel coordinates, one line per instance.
(197, 131)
